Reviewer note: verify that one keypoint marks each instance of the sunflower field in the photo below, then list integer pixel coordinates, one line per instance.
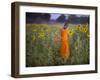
(43, 43)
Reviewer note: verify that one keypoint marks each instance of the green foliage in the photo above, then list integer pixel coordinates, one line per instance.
(43, 43)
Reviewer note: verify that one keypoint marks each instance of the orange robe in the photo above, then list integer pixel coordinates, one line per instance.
(64, 49)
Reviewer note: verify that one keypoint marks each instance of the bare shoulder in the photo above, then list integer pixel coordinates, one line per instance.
(61, 29)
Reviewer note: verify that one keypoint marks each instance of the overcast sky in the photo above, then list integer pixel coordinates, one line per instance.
(55, 16)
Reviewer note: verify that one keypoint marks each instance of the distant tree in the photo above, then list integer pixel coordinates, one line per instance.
(84, 20)
(46, 17)
(78, 20)
(73, 19)
(61, 18)
(37, 17)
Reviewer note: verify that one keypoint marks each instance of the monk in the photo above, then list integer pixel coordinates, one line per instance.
(64, 49)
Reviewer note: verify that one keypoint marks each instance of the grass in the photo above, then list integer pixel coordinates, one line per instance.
(43, 43)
